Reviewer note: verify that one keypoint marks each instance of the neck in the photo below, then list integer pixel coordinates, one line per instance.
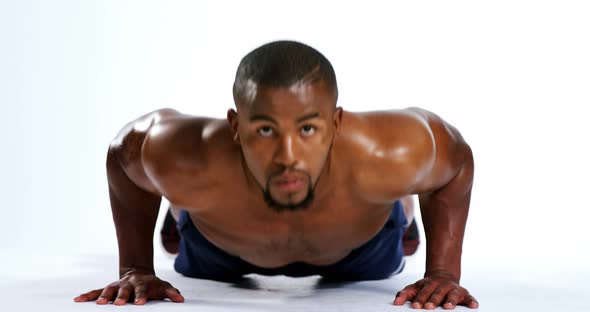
(251, 182)
(323, 186)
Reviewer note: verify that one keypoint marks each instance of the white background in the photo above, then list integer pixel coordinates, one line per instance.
(512, 76)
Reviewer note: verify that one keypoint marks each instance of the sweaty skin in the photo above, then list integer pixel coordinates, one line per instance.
(357, 163)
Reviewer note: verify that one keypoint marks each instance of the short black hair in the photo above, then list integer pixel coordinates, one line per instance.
(282, 64)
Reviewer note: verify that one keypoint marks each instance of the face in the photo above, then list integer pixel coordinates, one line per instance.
(286, 136)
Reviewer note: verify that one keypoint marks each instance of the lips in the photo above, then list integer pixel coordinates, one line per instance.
(289, 182)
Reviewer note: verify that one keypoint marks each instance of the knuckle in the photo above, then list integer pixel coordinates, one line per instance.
(140, 296)
(109, 289)
(430, 288)
(140, 293)
(421, 297)
(445, 290)
(436, 297)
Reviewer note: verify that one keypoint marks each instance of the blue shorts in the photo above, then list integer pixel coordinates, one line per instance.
(379, 258)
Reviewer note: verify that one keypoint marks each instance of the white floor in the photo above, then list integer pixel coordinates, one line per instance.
(39, 282)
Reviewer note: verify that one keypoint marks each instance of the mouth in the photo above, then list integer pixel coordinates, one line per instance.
(289, 183)
(289, 191)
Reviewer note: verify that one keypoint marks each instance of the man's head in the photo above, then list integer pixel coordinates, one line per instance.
(285, 94)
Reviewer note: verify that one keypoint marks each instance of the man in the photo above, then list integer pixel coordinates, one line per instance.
(289, 184)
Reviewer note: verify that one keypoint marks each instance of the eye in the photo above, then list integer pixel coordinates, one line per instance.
(308, 130)
(265, 131)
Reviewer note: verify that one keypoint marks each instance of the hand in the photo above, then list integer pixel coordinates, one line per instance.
(138, 286)
(434, 290)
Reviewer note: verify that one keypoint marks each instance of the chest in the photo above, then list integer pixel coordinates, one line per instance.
(322, 234)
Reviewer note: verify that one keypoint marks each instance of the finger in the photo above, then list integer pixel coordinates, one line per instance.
(107, 295)
(174, 294)
(123, 295)
(140, 295)
(89, 296)
(407, 294)
(403, 296)
(453, 297)
(423, 295)
(400, 298)
(437, 297)
(470, 302)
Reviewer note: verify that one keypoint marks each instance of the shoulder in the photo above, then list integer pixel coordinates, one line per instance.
(164, 149)
(185, 145)
(395, 136)
(451, 152)
(392, 150)
(125, 149)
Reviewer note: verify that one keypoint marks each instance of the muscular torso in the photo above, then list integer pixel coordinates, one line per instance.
(202, 171)
(238, 221)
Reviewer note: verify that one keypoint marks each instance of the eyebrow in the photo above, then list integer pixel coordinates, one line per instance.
(262, 117)
(307, 117)
(270, 119)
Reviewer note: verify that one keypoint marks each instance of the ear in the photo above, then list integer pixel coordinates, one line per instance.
(232, 118)
(337, 119)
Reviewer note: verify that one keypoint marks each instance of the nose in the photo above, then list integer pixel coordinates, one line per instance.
(286, 154)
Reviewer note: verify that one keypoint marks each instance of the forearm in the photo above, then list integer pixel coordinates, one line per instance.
(135, 212)
(444, 214)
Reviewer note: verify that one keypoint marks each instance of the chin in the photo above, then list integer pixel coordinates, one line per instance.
(303, 201)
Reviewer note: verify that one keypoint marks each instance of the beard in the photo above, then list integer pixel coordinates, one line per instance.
(279, 207)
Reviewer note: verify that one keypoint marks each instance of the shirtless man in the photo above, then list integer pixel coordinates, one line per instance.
(289, 184)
